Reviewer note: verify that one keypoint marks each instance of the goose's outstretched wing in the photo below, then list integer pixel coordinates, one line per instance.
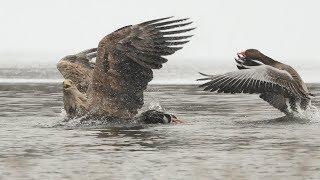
(125, 61)
(265, 80)
(78, 68)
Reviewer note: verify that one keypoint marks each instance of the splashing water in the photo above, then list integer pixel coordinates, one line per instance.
(155, 105)
(63, 112)
(84, 123)
(311, 114)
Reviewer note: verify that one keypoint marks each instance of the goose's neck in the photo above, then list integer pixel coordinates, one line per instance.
(268, 61)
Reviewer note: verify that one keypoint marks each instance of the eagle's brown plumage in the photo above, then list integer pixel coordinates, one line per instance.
(78, 68)
(124, 63)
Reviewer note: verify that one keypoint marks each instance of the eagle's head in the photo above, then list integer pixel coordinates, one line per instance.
(75, 102)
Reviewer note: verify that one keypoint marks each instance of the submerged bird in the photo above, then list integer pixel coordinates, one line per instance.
(158, 117)
(277, 83)
(113, 85)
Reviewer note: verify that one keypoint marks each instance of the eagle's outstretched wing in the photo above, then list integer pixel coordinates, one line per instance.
(78, 68)
(125, 60)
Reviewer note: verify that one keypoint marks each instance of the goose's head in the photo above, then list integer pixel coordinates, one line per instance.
(251, 57)
(154, 117)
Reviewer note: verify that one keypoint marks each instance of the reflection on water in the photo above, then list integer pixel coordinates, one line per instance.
(224, 137)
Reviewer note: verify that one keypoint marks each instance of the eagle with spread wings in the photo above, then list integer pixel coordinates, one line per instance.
(113, 85)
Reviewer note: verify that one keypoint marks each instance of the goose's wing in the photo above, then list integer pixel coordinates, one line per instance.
(258, 79)
(126, 58)
(78, 68)
(277, 87)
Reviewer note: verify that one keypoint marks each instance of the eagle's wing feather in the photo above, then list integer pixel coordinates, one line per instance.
(125, 60)
(78, 68)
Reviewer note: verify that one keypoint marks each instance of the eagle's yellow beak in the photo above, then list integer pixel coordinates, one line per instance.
(67, 83)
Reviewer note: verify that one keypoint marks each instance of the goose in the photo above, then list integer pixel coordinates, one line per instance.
(276, 83)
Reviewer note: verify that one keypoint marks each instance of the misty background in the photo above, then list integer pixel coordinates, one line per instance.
(37, 33)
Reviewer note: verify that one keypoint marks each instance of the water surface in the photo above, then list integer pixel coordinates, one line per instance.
(224, 137)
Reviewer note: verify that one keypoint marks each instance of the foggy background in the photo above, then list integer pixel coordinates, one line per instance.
(37, 33)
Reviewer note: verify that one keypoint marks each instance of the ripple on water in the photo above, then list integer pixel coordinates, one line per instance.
(224, 137)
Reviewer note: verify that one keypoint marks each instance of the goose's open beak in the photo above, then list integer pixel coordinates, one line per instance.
(174, 119)
(241, 55)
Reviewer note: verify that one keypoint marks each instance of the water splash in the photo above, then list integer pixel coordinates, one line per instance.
(155, 105)
(63, 113)
(84, 123)
(91, 123)
(311, 114)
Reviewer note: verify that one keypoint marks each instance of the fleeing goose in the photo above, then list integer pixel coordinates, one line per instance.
(277, 83)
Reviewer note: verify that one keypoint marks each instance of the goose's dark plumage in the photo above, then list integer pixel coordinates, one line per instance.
(125, 60)
(277, 83)
(158, 117)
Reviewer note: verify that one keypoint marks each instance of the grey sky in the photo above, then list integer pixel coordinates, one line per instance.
(284, 29)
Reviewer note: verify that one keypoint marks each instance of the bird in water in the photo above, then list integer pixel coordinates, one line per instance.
(277, 83)
(112, 86)
(158, 117)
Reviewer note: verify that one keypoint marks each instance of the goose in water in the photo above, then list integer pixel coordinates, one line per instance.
(112, 86)
(277, 83)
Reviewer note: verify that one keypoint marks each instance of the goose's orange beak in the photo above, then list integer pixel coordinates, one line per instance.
(241, 55)
(174, 119)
